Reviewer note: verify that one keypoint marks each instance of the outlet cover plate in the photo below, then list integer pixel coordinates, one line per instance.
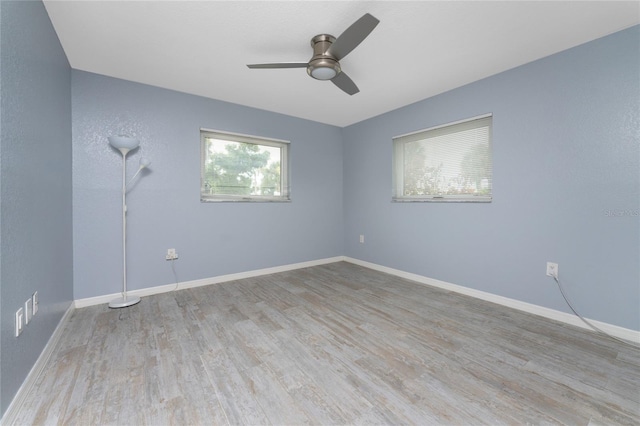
(171, 254)
(19, 321)
(28, 310)
(34, 301)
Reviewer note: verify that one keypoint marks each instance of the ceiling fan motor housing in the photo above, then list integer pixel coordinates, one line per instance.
(323, 66)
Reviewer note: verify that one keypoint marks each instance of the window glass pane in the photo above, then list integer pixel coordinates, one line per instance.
(242, 170)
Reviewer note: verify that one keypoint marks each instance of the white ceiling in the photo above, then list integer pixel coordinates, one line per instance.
(419, 49)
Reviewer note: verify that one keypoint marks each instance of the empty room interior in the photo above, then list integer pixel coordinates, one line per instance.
(345, 212)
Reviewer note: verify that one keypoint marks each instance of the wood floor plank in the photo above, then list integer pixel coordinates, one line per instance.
(335, 344)
(233, 393)
(309, 397)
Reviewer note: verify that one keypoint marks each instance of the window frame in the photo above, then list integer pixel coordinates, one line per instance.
(284, 146)
(398, 164)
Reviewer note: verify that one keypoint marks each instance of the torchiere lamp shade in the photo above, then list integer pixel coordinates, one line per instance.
(123, 142)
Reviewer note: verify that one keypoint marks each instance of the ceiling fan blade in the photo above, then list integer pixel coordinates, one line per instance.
(279, 65)
(352, 36)
(345, 84)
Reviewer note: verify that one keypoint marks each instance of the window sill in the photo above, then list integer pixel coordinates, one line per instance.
(443, 200)
(244, 200)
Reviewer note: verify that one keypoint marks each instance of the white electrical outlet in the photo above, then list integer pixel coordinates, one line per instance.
(171, 254)
(34, 302)
(19, 321)
(361, 239)
(28, 310)
(552, 270)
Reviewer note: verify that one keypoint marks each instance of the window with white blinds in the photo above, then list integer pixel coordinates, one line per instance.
(451, 162)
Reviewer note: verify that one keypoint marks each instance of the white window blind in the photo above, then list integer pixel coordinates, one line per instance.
(445, 163)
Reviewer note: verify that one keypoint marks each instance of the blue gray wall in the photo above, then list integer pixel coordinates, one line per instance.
(164, 208)
(566, 156)
(35, 185)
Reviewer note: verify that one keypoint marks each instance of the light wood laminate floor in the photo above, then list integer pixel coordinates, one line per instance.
(332, 344)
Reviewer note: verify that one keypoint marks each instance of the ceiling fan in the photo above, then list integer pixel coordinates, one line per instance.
(328, 51)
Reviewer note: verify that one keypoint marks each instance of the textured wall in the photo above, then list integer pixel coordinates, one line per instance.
(164, 208)
(566, 138)
(35, 176)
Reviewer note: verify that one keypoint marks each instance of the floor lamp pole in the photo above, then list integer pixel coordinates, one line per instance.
(124, 225)
(124, 300)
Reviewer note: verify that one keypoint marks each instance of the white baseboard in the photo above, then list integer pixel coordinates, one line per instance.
(16, 404)
(614, 330)
(81, 303)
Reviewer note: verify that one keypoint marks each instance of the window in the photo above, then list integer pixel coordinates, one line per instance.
(445, 163)
(243, 168)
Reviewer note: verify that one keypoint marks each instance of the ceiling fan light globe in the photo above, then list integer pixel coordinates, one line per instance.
(323, 68)
(323, 73)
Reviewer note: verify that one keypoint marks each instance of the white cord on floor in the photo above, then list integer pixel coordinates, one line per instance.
(175, 275)
(566, 299)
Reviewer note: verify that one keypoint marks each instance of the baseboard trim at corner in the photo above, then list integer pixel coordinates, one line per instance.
(614, 330)
(18, 400)
(149, 291)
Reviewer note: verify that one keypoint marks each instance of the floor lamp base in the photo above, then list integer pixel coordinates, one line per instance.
(124, 301)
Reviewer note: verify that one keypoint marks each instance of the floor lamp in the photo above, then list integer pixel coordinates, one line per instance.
(125, 144)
